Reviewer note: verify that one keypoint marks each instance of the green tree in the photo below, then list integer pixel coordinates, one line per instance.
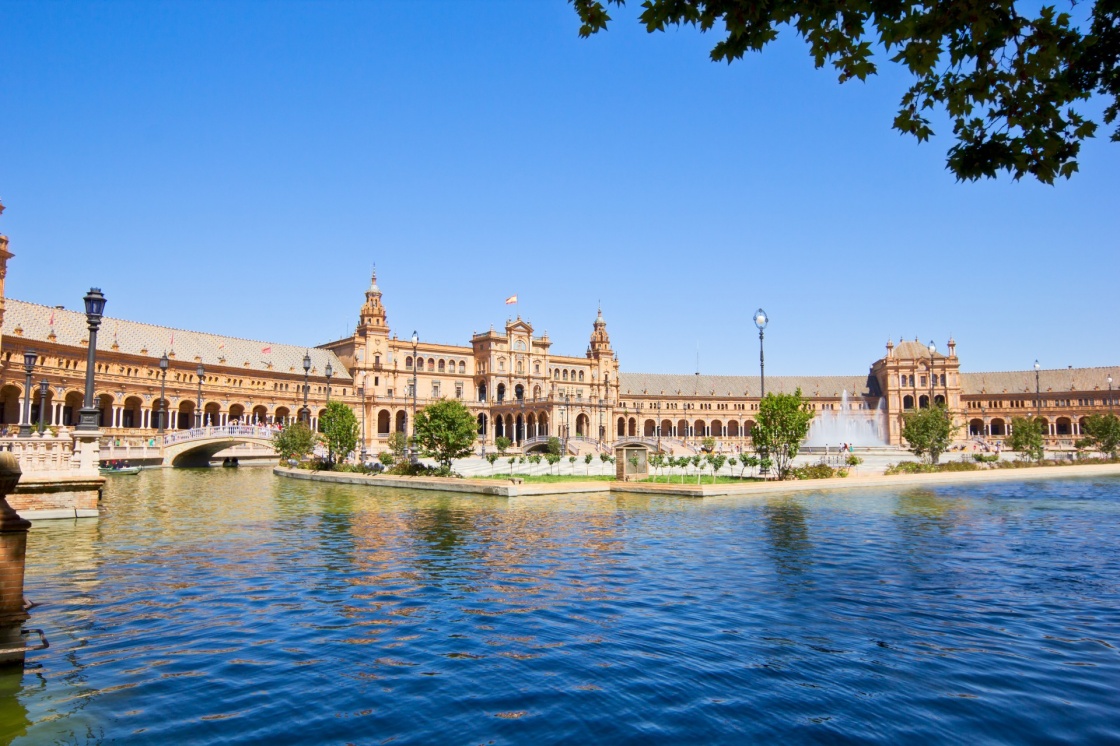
(587, 460)
(1026, 438)
(398, 444)
(783, 422)
(1006, 78)
(340, 430)
(446, 430)
(492, 458)
(1101, 431)
(572, 461)
(512, 460)
(717, 461)
(554, 445)
(928, 431)
(386, 458)
(553, 459)
(294, 441)
(502, 443)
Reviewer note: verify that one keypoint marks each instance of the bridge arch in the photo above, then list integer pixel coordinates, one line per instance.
(196, 447)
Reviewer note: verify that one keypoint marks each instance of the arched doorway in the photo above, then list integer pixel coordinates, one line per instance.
(132, 414)
(185, 415)
(72, 404)
(105, 406)
(9, 405)
(622, 427)
(383, 422)
(260, 414)
(998, 427)
(236, 413)
(632, 427)
(283, 416)
(976, 427)
(482, 424)
(402, 421)
(649, 428)
(583, 424)
(212, 414)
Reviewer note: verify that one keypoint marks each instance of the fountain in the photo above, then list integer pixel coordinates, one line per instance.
(859, 427)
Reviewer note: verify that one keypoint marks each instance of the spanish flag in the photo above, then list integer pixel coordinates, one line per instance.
(511, 300)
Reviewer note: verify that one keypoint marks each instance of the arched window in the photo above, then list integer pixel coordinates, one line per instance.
(520, 367)
(408, 362)
(907, 402)
(431, 363)
(565, 375)
(519, 392)
(923, 402)
(482, 392)
(581, 375)
(537, 369)
(501, 392)
(462, 367)
(441, 366)
(556, 374)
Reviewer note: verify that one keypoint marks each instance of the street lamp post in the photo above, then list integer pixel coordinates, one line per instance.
(29, 359)
(659, 427)
(932, 352)
(44, 388)
(89, 417)
(1037, 388)
(328, 372)
(412, 449)
(761, 320)
(362, 395)
(1110, 393)
(200, 372)
(305, 411)
(164, 364)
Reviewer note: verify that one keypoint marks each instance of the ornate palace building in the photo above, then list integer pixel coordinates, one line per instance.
(511, 379)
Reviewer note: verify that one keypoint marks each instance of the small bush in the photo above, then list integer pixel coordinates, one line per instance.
(816, 471)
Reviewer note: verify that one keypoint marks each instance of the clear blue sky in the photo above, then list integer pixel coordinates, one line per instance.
(237, 167)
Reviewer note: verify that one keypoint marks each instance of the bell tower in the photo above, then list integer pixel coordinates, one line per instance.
(373, 313)
(5, 255)
(604, 361)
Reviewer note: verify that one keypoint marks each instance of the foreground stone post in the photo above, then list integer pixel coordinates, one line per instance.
(13, 551)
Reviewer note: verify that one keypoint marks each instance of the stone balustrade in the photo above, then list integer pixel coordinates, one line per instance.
(43, 454)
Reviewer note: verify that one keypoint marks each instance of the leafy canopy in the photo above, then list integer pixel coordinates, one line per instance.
(1101, 431)
(1026, 438)
(340, 430)
(294, 441)
(928, 431)
(783, 422)
(1006, 77)
(446, 430)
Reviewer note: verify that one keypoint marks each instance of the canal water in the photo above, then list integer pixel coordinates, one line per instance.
(232, 606)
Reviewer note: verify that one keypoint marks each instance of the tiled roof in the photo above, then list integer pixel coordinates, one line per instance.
(912, 349)
(132, 337)
(693, 385)
(1022, 381)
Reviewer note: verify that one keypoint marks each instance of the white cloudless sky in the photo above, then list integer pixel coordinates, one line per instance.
(238, 167)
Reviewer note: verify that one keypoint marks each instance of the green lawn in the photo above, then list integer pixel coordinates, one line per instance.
(529, 478)
(704, 479)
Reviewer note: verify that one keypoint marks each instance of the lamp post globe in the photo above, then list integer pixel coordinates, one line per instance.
(328, 372)
(29, 358)
(200, 372)
(44, 389)
(89, 417)
(164, 364)
(1037, 388)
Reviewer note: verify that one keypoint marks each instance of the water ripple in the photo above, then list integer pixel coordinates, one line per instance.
(231, 606)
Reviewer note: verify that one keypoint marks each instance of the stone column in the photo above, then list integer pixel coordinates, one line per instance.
(13, 550)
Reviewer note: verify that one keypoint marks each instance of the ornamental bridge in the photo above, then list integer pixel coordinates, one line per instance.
(195, 447)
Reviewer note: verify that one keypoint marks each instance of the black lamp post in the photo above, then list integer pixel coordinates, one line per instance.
(761, 320)
(44, 388)
(29, 359)
(1037, 389)
(1110, 393)
(305, 411)
(89, 417)
(362, 395)
(164, 364)
(602, 433)
(328, 372)
(412, 449)
(932, 352)
(198, 413)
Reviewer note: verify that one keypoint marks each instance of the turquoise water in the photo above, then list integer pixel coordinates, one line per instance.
(231, 606)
